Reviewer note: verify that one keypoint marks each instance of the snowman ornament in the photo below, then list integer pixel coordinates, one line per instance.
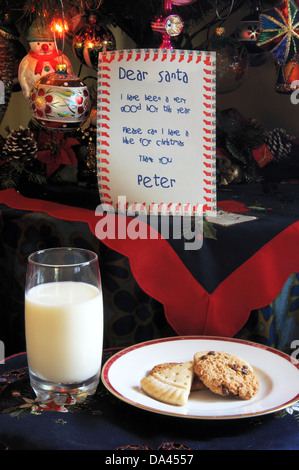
(41, 59)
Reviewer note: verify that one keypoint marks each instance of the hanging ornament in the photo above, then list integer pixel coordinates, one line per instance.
(42, 57)
(249, 28)
(90, 40)
(288, 76)
(231, 61)
(248, 34)
(75, 21)
(60, 100)
(168, 25)
(280, 32)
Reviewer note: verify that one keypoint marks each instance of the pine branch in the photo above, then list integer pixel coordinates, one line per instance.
(134, 17)
(10, 174)
(36, 178)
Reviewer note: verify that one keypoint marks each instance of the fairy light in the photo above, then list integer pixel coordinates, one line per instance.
(59, 27)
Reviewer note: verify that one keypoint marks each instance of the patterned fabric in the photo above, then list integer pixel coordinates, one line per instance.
(131, 316)
(104, 422)
(277, 324)
(236, 269)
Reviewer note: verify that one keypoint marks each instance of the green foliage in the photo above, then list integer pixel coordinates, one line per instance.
(14, 172)
(134, 17)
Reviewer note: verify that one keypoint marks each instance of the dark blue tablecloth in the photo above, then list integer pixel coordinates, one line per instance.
(104, 422)
(232, 286)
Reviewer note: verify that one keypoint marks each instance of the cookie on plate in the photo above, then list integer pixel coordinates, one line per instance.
(169, 382)
(226, 374)
(197, 384)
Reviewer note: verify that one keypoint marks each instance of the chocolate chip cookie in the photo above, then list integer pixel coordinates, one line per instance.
(226, 374)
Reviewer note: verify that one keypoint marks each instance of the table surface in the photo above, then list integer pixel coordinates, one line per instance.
(239, 269)
(104, 422)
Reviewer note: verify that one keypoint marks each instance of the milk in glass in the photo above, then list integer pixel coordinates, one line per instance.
(64, 331)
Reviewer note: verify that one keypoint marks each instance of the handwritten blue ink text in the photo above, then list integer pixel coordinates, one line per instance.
(149, 182)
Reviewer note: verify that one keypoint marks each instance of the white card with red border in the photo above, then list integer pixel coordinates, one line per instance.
(156, 131)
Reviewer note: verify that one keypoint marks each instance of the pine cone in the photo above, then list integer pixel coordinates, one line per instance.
(20, 145)
(279, 143)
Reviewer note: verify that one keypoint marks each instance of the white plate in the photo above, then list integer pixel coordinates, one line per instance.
(278, 376)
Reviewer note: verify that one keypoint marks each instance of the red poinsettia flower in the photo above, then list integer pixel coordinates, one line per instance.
(55, 149)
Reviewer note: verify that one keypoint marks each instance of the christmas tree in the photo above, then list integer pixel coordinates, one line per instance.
(131, 16)
(201, 18)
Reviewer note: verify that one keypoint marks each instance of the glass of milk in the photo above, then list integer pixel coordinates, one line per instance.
(64, 323)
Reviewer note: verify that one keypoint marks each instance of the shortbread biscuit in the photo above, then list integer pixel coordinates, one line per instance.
(226, 374)
(169, 382)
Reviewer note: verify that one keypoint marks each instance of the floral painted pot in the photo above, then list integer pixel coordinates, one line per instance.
(60, 101)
